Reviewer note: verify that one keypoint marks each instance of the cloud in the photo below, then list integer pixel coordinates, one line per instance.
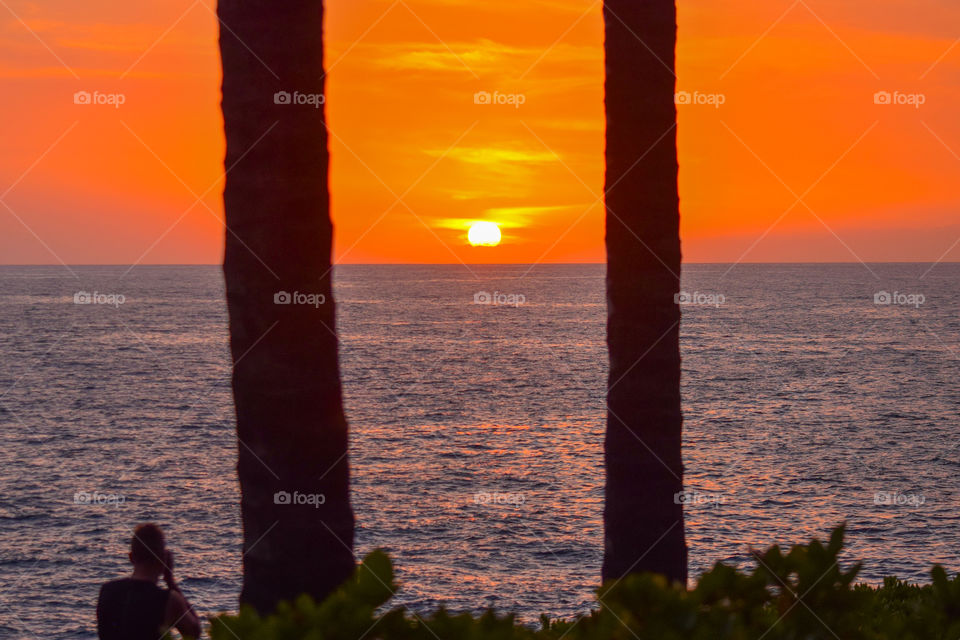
(100, 49)
(508, 217)
(481, 57)
(493, 156)
(513, 213)
(419, 56)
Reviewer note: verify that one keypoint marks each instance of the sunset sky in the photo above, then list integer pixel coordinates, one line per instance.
(798, 163)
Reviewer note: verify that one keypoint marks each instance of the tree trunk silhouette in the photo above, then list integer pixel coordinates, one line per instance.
(292, 434)
(643, 520)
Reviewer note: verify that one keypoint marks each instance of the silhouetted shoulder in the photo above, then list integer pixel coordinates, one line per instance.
(130, 609)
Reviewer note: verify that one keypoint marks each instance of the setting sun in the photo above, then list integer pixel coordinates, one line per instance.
(484, 234)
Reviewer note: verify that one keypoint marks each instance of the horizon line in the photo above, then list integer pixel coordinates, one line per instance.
(475, 264)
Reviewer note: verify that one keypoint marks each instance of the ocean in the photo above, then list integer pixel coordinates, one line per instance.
(813, 395)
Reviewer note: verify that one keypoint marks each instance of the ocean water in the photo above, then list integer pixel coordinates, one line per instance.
(476, 438)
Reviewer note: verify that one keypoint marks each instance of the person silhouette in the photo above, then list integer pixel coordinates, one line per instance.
(136, 608)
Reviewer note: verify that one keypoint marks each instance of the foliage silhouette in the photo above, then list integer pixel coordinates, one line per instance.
(801, 594)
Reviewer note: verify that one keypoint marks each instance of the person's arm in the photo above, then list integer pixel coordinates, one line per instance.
(179, 612)
(181, 615)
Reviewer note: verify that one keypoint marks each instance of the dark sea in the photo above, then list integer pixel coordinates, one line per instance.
(813, 395)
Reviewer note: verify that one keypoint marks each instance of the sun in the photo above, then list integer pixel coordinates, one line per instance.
(484, 234)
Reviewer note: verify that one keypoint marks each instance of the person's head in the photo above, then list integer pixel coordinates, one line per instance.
(148, 549)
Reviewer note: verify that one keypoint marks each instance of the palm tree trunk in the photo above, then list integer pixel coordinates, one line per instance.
(290, 422)
(643, 521)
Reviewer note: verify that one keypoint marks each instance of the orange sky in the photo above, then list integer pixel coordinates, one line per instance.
(142, 182)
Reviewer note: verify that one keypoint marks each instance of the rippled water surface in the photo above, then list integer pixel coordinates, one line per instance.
(477, 428)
